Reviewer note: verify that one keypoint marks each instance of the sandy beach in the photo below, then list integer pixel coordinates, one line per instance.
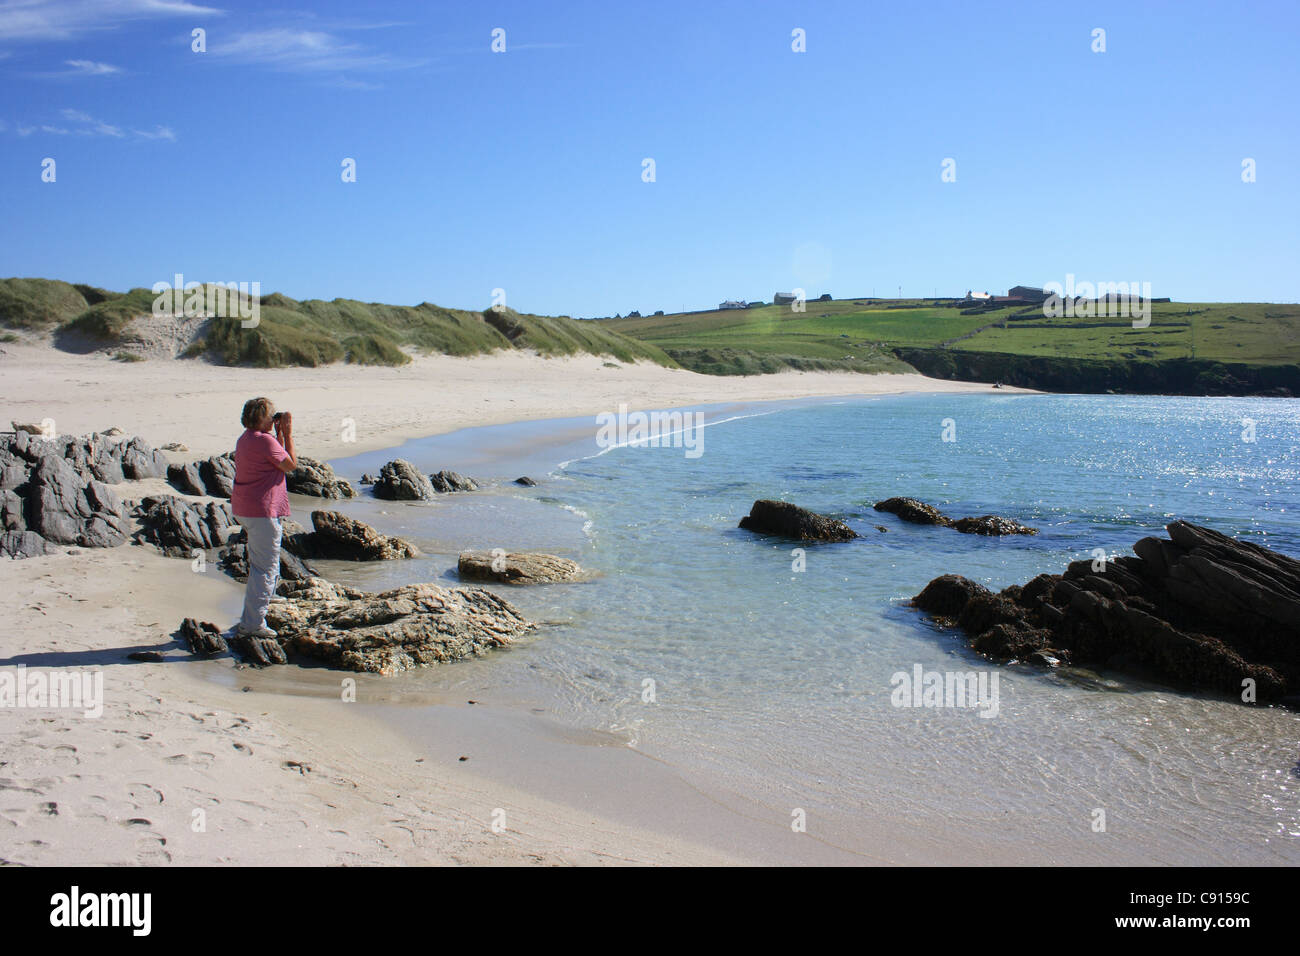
(196, 762)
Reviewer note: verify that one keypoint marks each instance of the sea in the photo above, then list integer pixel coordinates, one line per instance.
(773, 678)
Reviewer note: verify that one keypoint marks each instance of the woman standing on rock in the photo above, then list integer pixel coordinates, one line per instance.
(259, 500)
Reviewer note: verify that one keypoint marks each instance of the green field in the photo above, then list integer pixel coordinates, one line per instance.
(868, 330)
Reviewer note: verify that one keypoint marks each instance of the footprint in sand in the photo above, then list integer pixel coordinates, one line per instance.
(302, 768)
(202, 759)
(143, 793)
(244, 749)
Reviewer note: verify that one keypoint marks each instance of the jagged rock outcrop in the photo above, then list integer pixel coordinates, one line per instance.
(767, 516)
(218, 474)
(445, 482)
(316, 478)
(401, 481)
(411, 626)
(64, 508)
(177, 527)
(1199, 610)
(516, 567)
(918, 512)
(24, 544)
(186, 478)
(345, 539)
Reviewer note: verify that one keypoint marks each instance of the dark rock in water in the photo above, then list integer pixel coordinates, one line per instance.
(991, 525)
(948, 594)
(445, 482)
(186, 479)
(367, 479)
(411, 626)
(316, 478)
(401, 481)
(64, 508)
(1200, 610)
(525, 480)
(342, 538)
(218, 475)
(782, 518)
(917, 512)
(516, 567)
(258, 651)
(201, 637)
(177, 527)
(24, 544)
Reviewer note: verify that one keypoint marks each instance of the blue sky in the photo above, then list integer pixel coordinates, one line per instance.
(774, 169)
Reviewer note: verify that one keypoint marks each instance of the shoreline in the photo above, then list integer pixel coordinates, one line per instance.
(179, 742)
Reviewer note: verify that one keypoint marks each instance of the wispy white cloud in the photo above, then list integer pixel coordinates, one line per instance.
(80, 123)
(159, 132)
(89, 126)
(308, 51)
(69, 19)
(91, 68)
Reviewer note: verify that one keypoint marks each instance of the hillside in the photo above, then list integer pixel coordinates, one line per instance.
(1194, 348)
(289, 332)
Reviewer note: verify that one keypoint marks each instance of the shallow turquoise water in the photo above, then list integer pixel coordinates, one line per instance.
(776, 683)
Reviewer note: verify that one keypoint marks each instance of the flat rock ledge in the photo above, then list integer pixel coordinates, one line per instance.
(416, 625)
(516, 567)
(918, 512)
(790, 521)
(1198, 611)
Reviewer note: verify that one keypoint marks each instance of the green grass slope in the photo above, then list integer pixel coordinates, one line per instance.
(875, 331)
(313, 332)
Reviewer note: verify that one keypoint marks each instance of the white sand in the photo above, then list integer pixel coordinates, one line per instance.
(281, 777)
(199, 404)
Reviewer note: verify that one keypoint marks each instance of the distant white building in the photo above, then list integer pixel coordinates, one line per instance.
(733, 304)
(978, 295)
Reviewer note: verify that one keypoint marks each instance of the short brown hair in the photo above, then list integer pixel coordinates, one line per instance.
(256, 409)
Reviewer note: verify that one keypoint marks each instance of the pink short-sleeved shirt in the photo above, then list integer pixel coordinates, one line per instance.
(260, 489)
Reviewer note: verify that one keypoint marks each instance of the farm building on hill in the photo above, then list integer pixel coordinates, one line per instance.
(784, 298)
(733, 304)
(1029, 293)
